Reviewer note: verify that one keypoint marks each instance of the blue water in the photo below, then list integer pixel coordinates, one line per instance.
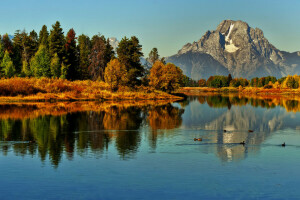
(151, 154)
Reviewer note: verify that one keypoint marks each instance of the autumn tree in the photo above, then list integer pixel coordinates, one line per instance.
(165, 77)
(84, 49)
(101, 54)
(40, 63)
(202, 83)
(129, 52)
(115, 74)
(7, 67)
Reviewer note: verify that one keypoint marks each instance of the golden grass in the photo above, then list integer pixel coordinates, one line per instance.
(45, 89)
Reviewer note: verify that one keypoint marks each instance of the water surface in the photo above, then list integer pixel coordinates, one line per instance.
(145, 150)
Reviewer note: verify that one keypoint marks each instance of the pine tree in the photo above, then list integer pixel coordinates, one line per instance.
(1, 50)
(84, 49)
(43, 36)
(129, 53)
(7, 66)
(57, 41)
(71, 56)
(55, 66)
(40, 63)
(33, 43)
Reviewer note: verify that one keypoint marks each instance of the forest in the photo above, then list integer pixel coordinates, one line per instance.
(51, 56)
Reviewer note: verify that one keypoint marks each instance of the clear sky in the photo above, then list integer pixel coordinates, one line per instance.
(165, 24)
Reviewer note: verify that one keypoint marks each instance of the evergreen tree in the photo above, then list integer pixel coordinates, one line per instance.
(71, 57)
(57, 41)
(40, 63)
(153, 56)
(1, 50)
(7, 66)
(33, 43)
(84, 49)
(129, 53)
(55, 66)
(43, 36)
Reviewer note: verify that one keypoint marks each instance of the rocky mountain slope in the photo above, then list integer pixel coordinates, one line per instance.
(235, 48)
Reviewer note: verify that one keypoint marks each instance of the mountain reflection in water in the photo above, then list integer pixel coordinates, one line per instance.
(53, 130)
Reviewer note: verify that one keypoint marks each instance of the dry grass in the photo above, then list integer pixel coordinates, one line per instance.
(45, 89)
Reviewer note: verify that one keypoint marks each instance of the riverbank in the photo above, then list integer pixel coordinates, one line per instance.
(51, 90)
(258, 91)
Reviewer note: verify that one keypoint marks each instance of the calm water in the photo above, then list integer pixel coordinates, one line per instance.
(140, 151)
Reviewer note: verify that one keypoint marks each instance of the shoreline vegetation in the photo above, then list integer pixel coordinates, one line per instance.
(53, 90)
(239, 91)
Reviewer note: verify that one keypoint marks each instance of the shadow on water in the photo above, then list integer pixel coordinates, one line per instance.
(52, 130)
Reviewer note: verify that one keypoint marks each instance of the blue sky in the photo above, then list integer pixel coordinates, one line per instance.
(165, 24)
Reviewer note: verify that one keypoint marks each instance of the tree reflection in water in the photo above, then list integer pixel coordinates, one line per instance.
(53, 130)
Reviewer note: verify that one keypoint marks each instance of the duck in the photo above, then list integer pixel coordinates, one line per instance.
(32, 141)
(283, 144)
(224, 131)
(250, 131)
(243, 143)
(197, 139)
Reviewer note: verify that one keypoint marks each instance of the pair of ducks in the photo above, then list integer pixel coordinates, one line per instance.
(243, 143)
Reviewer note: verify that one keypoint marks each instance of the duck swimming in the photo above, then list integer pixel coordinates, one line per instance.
(243, 143)
(283, 144)
(197, 139)
(250, 131)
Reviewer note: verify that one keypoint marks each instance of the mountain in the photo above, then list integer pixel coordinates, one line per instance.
(235, 48)
(114, 42)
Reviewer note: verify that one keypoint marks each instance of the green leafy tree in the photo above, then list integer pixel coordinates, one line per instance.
(84, 49)
(115, 74)
(26, 71)
(55, 66)
(40, 63)
(7, 66)
(129, 52)
(64, 71)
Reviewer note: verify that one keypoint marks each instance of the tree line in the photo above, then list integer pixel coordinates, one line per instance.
(267, 82)
(53, 54)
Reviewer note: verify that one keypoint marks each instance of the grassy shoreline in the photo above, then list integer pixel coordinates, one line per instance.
(55, 90)
(258, 91)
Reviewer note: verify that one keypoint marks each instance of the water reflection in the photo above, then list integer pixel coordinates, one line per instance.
(69, 129)
(52, 135)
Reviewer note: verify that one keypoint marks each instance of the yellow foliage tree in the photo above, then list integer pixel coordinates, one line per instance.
(165, 77)
(115, 74)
